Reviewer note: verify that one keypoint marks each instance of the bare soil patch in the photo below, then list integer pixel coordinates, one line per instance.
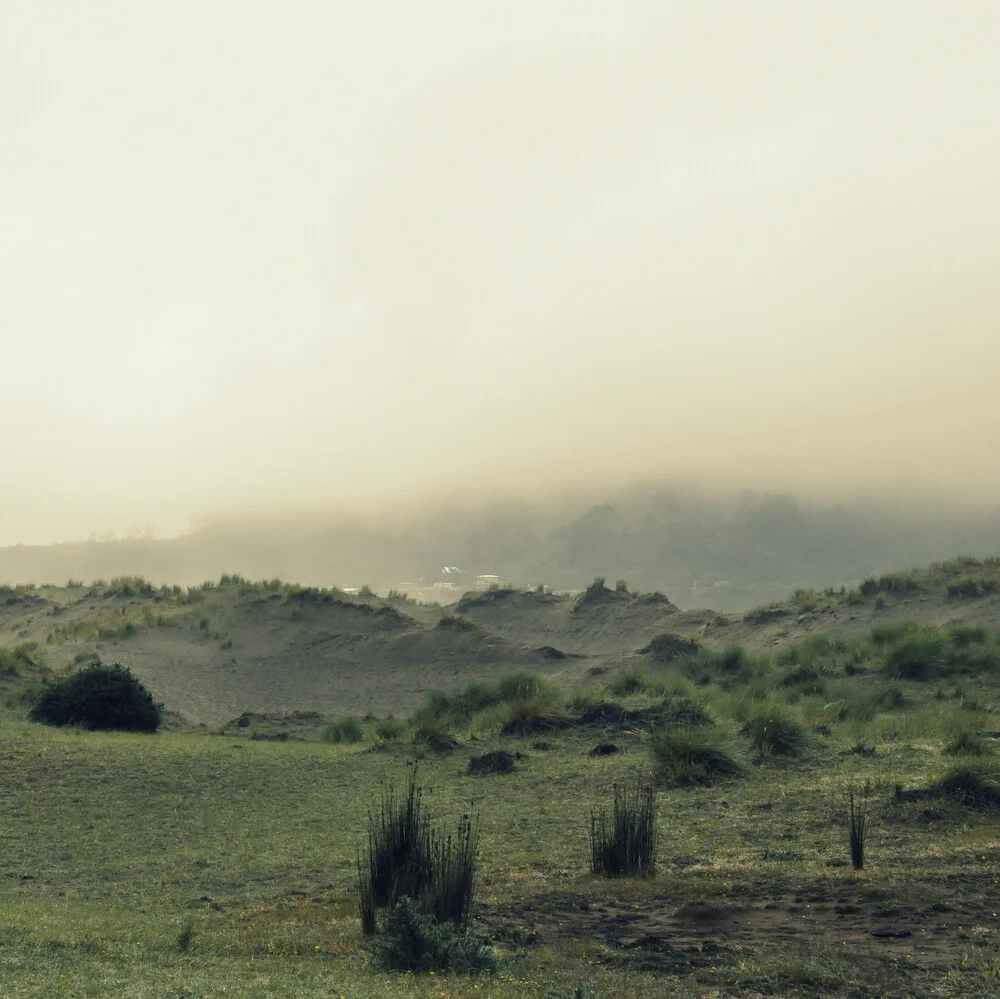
(660, 929)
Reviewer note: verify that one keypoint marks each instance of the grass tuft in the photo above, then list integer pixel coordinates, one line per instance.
(347, 729)
(690, 756)
(774, 732)
(858, 825)
(623, 841)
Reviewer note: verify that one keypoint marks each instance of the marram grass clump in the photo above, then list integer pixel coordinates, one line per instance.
(694, 755)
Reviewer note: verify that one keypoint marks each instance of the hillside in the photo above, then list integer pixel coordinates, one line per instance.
(213, 652)
(727, 553)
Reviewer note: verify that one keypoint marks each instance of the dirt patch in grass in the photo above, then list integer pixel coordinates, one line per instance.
(652, 928)
(298, 726)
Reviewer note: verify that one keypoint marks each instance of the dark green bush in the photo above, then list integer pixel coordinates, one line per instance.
(415, 941)
(99, 697)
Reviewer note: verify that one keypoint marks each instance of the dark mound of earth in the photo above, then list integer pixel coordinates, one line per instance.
(673, 711)
(667, 647)
(551, 652)
(533, 724)
(440, 742)
(497, 762)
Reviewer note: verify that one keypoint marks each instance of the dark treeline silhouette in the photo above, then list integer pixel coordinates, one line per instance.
(723, 552)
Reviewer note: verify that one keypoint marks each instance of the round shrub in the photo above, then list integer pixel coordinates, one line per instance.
(688, 756)
(773, 731)
(100, 697)
(346, 729)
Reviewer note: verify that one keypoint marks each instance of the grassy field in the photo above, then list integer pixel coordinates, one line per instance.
(199, 864)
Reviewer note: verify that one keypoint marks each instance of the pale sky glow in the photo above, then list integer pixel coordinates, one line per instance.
(257, 254)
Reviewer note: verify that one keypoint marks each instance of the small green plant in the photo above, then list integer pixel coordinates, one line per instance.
(347, 729)
(478, 697)
(628, 681)
(185, 936)
(971, 786)
(523, 686)
(857, 827)
(920, 655)
(456, 622)
(124, 631)
(623, 841)
(415, 941)
(13, 660)
(99, 697)
(528, 716)
(890, 698)
(689, 756)
(390, 729)
(772, 731)
(595, 591)
(967, 743)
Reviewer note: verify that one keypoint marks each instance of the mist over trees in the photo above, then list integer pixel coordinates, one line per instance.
(726, 552)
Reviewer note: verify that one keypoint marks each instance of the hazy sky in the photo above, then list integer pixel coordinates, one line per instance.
(256, 253)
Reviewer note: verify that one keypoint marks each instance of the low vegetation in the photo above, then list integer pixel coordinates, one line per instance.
(857, 830)
(687, 756)
(623, 838)
(839, 793)
(425, 877)
(99, 697)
